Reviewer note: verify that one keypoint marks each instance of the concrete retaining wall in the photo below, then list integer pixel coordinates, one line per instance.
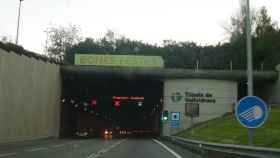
(271, 92)
(214, 97)
(29, 98)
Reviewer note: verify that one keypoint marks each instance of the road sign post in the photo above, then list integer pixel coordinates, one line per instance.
(249, 62)
(251, 112)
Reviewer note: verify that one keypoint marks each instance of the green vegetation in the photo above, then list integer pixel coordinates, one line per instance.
(227, 130)
(65, 41)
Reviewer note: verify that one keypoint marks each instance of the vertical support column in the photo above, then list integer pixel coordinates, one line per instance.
(249, 64)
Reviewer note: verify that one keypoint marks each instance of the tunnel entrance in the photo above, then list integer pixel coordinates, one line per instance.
(93, 106)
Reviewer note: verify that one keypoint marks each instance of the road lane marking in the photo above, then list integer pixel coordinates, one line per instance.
(36, 149)
(58, 145)
(93, 155)
(167, 148)
(102, 151)
(7, 154)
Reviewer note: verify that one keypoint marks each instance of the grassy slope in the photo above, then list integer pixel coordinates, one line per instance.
(228, 130)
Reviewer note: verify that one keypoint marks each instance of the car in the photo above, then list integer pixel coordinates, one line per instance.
(82, 134)
(108, 134)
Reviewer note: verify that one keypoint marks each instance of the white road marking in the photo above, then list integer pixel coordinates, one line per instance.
(7, 154)
(168, 149)
(102, 151)
(93, 155)
(112, 146)
(58, 145)
(36, 149)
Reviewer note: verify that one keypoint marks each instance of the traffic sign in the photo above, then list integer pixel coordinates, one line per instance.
(175, 120)
(174, 124)
(251, 112)
(175, 116)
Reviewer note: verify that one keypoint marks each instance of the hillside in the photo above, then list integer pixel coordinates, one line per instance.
(227, 130)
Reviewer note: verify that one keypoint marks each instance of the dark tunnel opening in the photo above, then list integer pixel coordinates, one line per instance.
(124, 107)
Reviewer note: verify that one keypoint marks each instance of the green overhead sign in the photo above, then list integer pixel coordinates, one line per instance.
(119, 60)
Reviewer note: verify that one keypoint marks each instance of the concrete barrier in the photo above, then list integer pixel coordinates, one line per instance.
(216, 150)
(29, 98)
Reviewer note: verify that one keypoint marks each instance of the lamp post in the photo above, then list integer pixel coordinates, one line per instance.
(19, 8)
(250, 85)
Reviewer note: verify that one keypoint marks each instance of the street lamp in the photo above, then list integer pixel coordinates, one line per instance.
(19, 8)
(250, 85)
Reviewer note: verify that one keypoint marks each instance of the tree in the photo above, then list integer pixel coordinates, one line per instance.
(266, 41)
(265, 35)
(261, 22)
(60, 38)
(264, 23)
(111, 44)
(6, 39)
(236, 30)
(185, 54)
(175, 54)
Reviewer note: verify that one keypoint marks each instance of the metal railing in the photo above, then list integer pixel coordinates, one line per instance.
(216, 150)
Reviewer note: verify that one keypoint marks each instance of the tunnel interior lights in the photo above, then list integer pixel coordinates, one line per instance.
(117, 103)
(93, 103)
(72, 101)
(137, 98)
(85, 104)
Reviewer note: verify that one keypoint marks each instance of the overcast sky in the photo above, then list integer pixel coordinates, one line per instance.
(151, 21)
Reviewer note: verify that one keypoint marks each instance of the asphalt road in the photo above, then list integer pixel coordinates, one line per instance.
(94, 148)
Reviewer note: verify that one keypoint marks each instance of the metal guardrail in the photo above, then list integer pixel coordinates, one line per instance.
(216, 150)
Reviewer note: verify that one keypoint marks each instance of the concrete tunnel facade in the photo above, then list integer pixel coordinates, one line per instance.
(30, 92)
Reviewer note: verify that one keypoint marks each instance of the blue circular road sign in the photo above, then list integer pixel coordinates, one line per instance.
(251, 112)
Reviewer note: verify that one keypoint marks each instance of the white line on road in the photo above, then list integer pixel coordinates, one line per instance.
(7, 154)
(102, 151)
(168, 149)
(93, 155)
(36, 149)
(58, 145)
